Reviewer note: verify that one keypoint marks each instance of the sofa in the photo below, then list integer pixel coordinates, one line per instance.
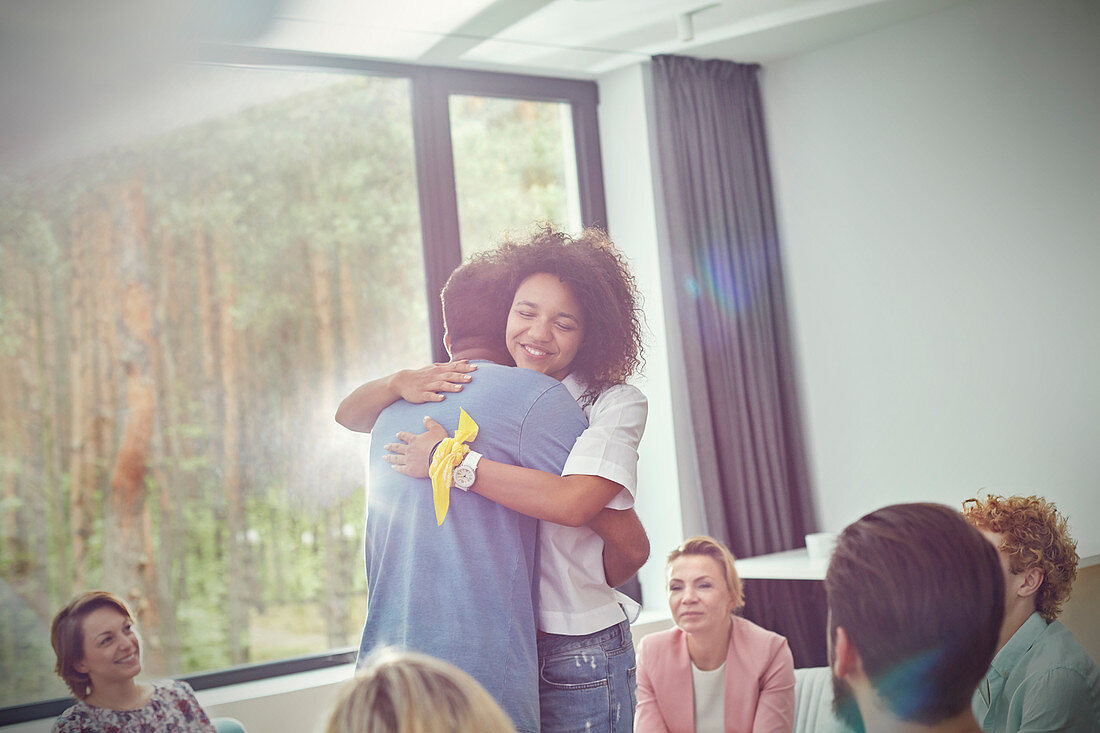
(813, 702)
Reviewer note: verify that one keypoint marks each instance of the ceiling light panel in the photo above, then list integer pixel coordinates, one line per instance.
(384, 29)
(579, 25)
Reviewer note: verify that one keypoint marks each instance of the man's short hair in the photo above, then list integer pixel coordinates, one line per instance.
(920, 594)
(476, 299)
(1033, 534)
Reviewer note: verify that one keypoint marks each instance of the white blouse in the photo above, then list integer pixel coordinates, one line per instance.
(709, 690)
(574, 597)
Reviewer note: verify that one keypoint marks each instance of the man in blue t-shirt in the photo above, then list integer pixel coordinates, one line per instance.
(466, 591)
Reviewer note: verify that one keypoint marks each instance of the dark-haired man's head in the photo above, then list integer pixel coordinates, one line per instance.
(475, 307)
(916, 600)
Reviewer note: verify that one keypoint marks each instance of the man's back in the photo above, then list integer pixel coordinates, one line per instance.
(1042, 679)
(466, 591)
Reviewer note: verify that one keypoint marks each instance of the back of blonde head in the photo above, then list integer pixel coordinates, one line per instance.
(405, 692)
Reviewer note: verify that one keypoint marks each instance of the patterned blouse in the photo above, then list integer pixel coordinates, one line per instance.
(172, 708)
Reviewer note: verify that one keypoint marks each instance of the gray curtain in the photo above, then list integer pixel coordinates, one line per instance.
(735, 327)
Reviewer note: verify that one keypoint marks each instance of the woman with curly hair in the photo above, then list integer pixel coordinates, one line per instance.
(574, 316)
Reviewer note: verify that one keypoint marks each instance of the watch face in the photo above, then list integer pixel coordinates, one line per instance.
(463, 477)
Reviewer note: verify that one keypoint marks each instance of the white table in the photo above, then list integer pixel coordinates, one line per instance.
(797, 565)
(786, 565)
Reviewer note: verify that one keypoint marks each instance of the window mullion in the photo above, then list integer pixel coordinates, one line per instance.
(589, 163)
(435, 174)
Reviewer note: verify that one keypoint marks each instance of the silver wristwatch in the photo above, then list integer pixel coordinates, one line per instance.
(465, 473)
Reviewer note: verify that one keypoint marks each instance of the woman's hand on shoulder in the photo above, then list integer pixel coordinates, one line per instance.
(412, 455)
(428, 384)
(360, 409)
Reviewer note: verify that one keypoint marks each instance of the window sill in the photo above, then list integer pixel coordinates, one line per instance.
(218, 697)
(294, 700)
(221, 688)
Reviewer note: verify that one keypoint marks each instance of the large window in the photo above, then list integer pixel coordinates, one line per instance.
(520, 150)
(181, 313)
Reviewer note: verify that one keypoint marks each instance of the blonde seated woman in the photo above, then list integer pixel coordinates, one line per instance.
(406, 692)
(99, 657)
(714, 671)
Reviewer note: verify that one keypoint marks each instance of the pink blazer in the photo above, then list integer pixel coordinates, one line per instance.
(759, 682)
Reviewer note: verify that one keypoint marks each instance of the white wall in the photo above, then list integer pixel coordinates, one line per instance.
(632, 223)
(938, 187)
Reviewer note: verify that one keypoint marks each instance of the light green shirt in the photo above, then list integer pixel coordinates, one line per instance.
(1042, 680)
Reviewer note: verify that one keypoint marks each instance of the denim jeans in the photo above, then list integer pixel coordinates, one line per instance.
(587, 683)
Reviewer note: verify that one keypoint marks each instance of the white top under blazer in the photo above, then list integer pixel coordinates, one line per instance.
(574, 598)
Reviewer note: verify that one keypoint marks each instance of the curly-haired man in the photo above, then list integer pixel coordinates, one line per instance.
(1041, 679)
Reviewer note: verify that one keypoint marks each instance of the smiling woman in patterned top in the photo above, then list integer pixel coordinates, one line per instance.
(99, 657)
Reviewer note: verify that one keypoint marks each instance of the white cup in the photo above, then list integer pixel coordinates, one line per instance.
(819, 546)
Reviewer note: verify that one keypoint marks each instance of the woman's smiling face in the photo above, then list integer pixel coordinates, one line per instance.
(545, 326)
(112, 649)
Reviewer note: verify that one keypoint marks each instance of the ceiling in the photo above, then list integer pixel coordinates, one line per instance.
(66, 66)
(576, 38)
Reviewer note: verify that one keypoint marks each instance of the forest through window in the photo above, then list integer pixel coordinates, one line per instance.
(179, 317)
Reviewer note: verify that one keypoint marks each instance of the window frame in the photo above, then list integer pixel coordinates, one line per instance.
(430, 90)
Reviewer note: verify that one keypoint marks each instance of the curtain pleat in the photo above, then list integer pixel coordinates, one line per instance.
(737, 345)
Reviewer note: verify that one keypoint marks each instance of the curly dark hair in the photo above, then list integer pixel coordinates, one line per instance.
(600, 278)
(1033, 534)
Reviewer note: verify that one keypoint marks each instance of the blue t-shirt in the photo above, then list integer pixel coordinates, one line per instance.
(466, 591)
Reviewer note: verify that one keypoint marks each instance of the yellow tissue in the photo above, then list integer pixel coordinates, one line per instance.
(448, 454)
